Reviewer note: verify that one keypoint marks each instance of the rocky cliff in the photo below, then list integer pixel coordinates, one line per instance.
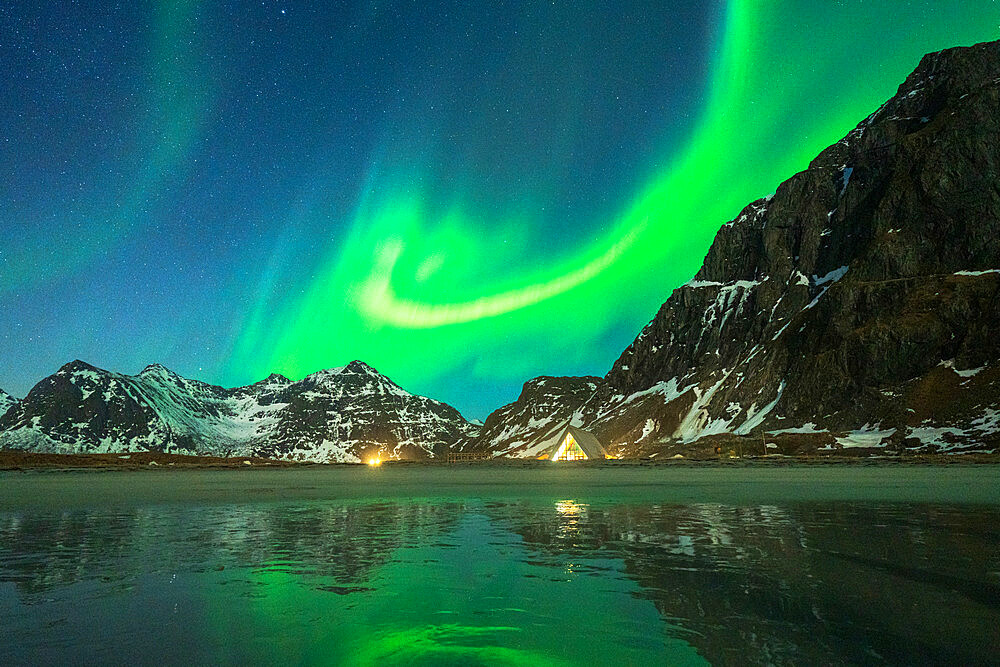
(342, 414)
(522, 428)
(6, 401)
(853, 308)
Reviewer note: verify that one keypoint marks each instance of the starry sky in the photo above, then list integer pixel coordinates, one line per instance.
(464, 195)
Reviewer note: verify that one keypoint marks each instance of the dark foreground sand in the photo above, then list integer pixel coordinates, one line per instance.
(720, 483)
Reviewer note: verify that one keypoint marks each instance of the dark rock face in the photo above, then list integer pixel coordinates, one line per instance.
(6, 402)
(358, 408)
(545, 405)
(342, 414)
(857, 302)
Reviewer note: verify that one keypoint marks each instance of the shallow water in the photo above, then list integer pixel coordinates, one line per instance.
(564, 571)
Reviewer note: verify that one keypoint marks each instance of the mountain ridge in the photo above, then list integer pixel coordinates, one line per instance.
(853, 310)
(344, 414)
(850, 310)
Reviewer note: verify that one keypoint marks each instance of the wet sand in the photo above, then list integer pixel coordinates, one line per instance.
(13, 459)
(719, 483)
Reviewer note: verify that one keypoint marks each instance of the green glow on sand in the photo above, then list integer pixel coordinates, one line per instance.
(447, 644)
(421, 290)
(473, 595)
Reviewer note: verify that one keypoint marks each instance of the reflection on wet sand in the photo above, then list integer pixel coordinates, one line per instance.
(341, 542)
(500, 581)
(802, 583)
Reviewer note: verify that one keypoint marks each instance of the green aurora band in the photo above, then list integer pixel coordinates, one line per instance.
(421, 290)
(176, 99)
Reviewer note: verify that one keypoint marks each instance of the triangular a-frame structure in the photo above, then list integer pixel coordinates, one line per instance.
(575, 444)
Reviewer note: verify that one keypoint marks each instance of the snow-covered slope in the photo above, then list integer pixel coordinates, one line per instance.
(522, 428)
(342, 414)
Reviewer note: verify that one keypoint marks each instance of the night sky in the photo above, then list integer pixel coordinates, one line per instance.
(462, 194)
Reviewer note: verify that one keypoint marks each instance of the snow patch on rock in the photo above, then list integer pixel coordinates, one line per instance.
(866, 436)
(808, 427)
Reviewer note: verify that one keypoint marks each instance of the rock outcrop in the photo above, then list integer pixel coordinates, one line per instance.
(854, 308)
(546, 403)
(6, 402)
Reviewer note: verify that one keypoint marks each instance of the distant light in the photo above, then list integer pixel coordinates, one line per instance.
(375, 462)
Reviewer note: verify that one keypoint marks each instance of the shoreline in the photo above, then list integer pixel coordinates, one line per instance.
(20, 461)
(462, 484)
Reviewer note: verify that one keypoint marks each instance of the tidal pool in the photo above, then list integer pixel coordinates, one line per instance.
(494, 566)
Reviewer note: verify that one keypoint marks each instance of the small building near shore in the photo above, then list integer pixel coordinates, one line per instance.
(575, 444)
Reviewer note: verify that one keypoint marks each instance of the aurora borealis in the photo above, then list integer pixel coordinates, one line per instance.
(463, 196)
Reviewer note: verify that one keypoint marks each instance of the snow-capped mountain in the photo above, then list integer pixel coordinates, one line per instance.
(341, 414)
(854, 308)
(6, 401)
(545, 404)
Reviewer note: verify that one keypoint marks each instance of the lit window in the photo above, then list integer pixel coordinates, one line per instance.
(570, 450)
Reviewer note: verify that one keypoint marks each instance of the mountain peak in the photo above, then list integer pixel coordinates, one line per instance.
(157, 369)
(825, 315)
(77, 365)
(358, 366)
